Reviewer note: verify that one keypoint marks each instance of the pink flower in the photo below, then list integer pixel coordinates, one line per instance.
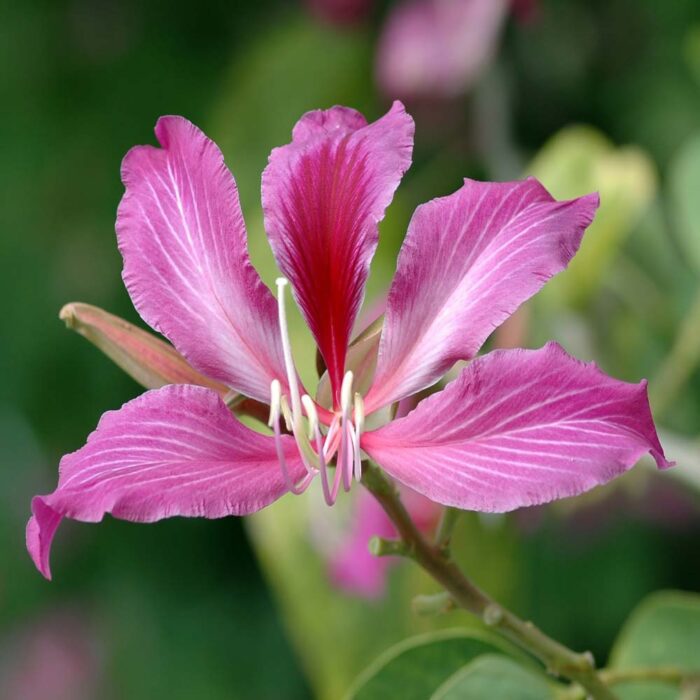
(515, 428)
(352, 567)
(437, 48)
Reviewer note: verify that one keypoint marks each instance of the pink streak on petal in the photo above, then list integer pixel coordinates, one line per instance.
(172, 451)
(518, 428)
(323, 196)
(186, 263)
(468, 261)
(437, 48)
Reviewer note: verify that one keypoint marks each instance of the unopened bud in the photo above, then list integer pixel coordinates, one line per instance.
(152, 362)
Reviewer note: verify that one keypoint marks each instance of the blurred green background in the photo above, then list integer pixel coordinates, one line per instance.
(587, 95)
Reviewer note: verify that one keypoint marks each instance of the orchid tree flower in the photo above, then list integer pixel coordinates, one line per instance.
(438, 48)
(515, 428)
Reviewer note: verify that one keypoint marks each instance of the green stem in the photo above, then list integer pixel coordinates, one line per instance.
(449, 519)
(663, 674)
(557, 658)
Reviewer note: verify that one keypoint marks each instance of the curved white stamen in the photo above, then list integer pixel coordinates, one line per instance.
(311, 414)
(330, 494)
(275, 402)
(282, 282)
(308, 456)
(303, 484)
(354, 465)
(359, 427)
(330, 446)
(346, 393)
(346, 453)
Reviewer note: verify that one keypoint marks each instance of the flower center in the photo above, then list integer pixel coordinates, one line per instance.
(315, 447)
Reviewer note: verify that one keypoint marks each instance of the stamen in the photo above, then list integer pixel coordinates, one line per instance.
(306, 452)
(275, 403)
(330, 495)
(359, 427)
(346, 393)
(346, 455)
(311, 414)
(282, 282)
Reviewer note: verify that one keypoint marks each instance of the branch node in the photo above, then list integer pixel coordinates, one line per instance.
(436, 604)
(493, 614)
(380, 547)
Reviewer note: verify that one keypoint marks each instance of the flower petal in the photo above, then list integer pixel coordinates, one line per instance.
(323, 196)
(468, 261)
(352, 567)
(171, 451)
(186, 263)
(437, 48)
(517, 428)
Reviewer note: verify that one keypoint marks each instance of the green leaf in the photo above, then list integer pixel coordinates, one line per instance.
(417, 667)
(664, 630)
(492, 676)
(579, 160)
(684, 183)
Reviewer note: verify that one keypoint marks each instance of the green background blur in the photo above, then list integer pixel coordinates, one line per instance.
(180, 609)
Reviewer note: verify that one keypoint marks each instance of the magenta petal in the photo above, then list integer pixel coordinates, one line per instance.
(468, 261)
(323, 196)
(517, 428)
(172, 451)
(186, 263)
(437, 48)
(352, 567)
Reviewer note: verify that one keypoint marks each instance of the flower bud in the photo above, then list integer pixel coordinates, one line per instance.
(152, 362)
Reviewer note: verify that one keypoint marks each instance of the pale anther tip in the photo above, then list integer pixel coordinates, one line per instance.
(281, 282)
(346, 390)
(68, 313)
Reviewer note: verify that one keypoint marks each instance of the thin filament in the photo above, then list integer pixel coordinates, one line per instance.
(282, 282)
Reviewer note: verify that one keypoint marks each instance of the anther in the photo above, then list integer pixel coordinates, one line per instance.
(346, 393)
(275, 402)
(311, 414)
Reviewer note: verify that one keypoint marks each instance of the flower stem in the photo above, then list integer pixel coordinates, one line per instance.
(557, 658)
(449, 519)
(661, 674)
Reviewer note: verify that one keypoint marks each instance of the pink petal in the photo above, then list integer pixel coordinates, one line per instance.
(468, 261)
(186, 263)
(437, 48)
(171, 451)
(323, 196)
(353, 568)
(517, 428)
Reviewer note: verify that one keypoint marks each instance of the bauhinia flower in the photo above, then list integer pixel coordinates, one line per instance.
(516, 428)
(438, 48)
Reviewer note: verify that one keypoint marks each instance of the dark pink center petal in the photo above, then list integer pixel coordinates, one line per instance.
(517, 428)
(186, 263)
(172, 451)
(468, 261)
(323, 196)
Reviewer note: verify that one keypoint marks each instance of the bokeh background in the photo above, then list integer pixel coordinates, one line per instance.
(586, 95)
